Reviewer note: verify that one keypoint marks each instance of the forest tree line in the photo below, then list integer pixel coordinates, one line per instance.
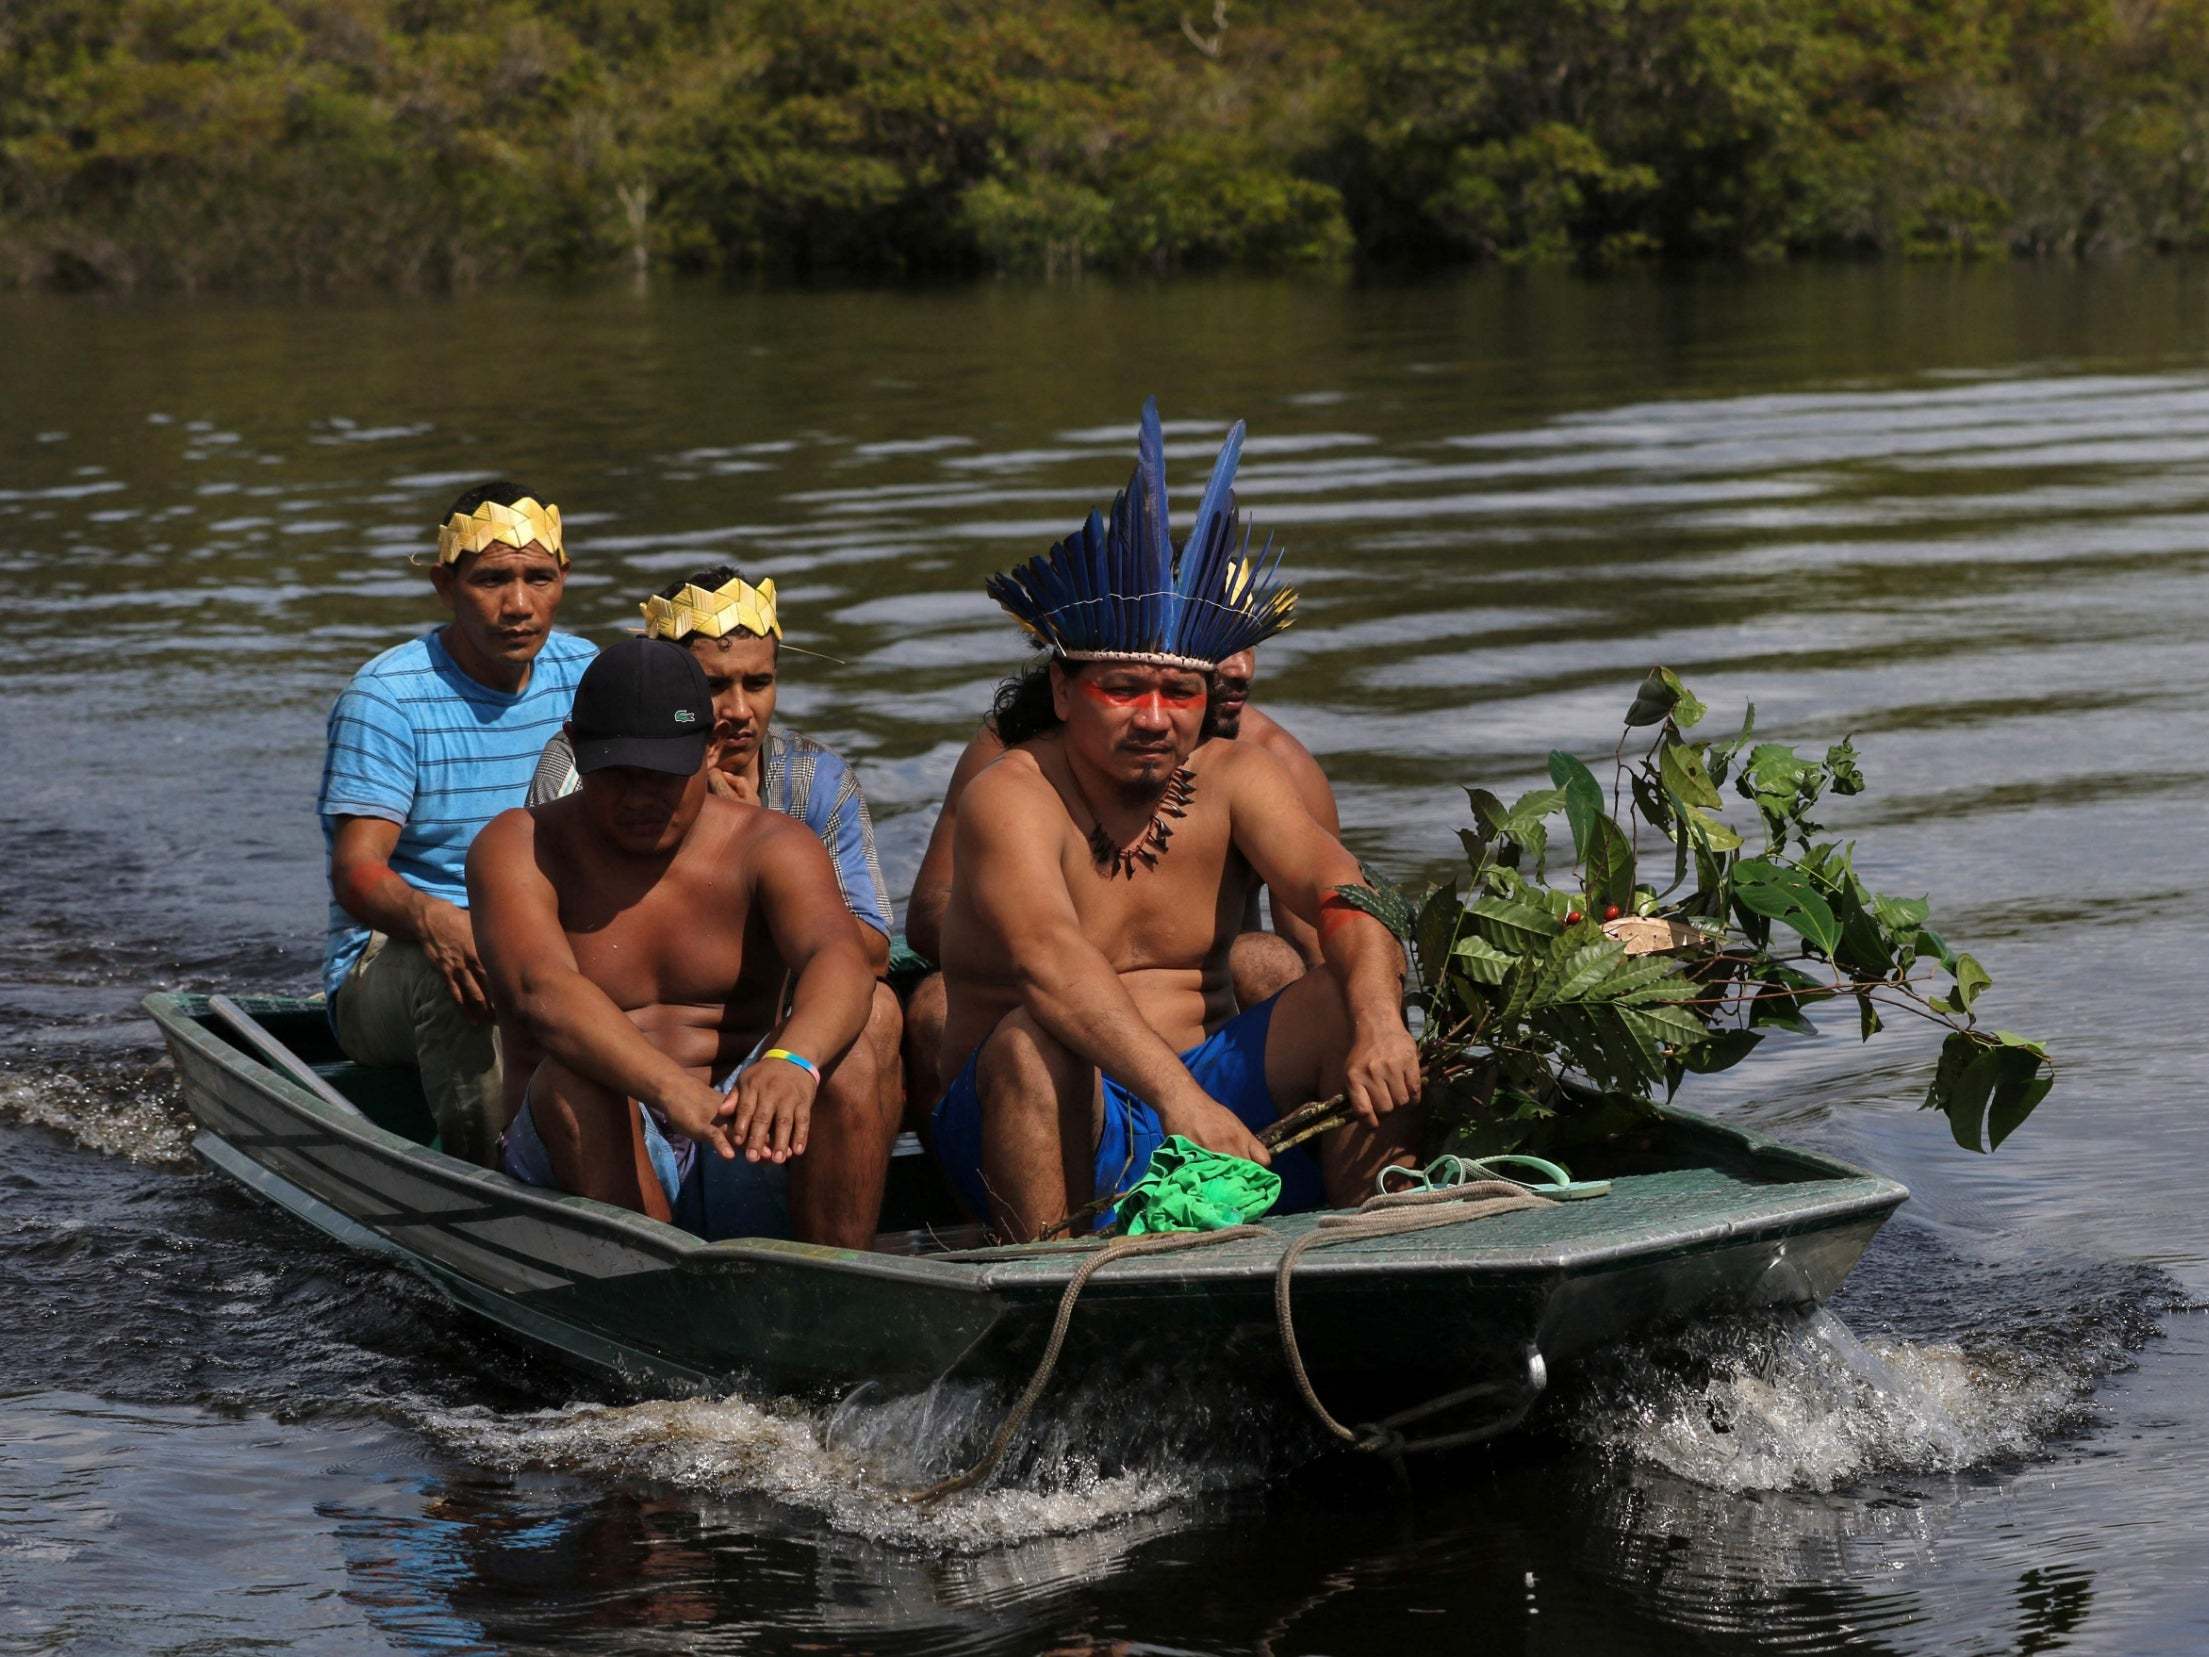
(425, 143)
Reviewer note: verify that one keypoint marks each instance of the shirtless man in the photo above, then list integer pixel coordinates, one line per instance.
(1101, 872)
(734, 630)
(640, 930)
(1260, 963)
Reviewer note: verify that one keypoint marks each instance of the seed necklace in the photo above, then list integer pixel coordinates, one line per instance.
(1150, 846)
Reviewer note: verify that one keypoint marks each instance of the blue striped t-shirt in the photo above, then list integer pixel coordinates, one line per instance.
(415, 741)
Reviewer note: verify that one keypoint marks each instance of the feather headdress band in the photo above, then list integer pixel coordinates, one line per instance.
(492, 524)
(1116, 592)
(713, 615)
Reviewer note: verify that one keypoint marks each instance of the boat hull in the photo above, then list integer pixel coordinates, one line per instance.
(1727, 1223)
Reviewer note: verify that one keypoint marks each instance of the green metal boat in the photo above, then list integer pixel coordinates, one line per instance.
(1700, 1219)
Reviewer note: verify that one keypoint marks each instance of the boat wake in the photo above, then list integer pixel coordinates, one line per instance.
(124, 1108)
(1089, 1462)
(1801, 1403)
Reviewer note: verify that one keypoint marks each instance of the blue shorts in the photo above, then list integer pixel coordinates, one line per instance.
(711, 1196)
(1229, 1064)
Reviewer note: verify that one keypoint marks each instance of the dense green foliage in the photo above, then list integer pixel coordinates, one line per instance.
(420, 142)
(1551, 1012)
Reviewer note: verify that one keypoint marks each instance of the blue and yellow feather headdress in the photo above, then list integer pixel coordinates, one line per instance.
(1117, 592)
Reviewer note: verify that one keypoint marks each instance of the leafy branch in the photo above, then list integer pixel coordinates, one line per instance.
(1551, 1010)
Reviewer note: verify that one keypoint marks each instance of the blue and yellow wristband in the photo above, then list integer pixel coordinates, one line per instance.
(799, 1059)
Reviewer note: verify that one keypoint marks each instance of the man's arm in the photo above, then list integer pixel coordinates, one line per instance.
(1009, 874)
(1311, 786)
(536, 982)
(794, 889)
(932, 885)
(848, 837)
(1301, 862)
(372, 892)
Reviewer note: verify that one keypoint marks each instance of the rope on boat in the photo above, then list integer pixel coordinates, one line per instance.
(1383, 1216)
(1391, 1215)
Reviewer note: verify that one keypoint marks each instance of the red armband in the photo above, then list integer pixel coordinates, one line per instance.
(1334, 911)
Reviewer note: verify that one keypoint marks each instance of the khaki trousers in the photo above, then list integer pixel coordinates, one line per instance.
(394, 1009)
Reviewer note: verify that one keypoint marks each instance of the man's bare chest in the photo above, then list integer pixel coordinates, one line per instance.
(1174, 911)
(674, 943)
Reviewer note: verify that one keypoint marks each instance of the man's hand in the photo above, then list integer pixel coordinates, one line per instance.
(1382, 1073)
(773, 1106)
(729, 785)
(448, 938)
(1215, 1127)
(698, 1110)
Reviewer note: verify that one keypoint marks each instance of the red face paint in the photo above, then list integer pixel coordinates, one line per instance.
(1136, 696)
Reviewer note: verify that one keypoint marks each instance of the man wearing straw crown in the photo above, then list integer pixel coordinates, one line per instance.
(1100, 876)
(733, 629)
(430, 741)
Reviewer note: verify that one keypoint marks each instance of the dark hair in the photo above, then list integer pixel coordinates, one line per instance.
(1022, 709)
(713, 578)
(505, 491)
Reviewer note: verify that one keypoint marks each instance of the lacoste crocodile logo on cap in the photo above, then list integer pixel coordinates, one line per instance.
(683, 716)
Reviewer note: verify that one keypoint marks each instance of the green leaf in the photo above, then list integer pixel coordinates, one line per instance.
(1840, 764)
(1863, 948)
(1687, 712)
(1722, 1051)
(1928, 942)
(1655, 1028)
(1488, 811)
(1513, 924)
(1786, 895)
(1985, 1086)
(1583, 798)
(1971, 978)
(1681, 767)
(1645, 977)
(1900, 914)
(1478, 849)
(1778, 1012)
(1868, 1017)
(1722, 753)
(1610, 867)
(1585, 968)
(1482, 961)
(1440, 917)
(1711, 833)
(1655, 699)
(2018, 1088)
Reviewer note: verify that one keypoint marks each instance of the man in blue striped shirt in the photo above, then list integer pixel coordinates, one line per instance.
(430, 741)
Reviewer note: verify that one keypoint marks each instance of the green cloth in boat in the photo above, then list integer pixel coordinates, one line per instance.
(1188, 1188)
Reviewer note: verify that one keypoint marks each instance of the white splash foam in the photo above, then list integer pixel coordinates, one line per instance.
(1805, 1405)
(849, 1464)
(139, 1118)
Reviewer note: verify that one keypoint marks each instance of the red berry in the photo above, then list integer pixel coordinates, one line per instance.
(1572, 917)
(1610, 911)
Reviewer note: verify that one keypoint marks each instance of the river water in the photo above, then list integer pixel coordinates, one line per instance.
(1963, 514)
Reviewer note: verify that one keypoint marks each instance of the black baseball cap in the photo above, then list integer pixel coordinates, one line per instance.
(643, 703)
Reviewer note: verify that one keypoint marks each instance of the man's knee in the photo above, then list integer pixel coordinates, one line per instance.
(1262, 964)
(885, 1031)
(1024, 1070)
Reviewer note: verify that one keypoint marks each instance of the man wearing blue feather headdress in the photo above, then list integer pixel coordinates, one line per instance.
(1101, 872)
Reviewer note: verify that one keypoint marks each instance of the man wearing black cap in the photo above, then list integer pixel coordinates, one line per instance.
(639, 930)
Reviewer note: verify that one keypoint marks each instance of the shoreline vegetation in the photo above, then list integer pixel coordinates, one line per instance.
(424, 144)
